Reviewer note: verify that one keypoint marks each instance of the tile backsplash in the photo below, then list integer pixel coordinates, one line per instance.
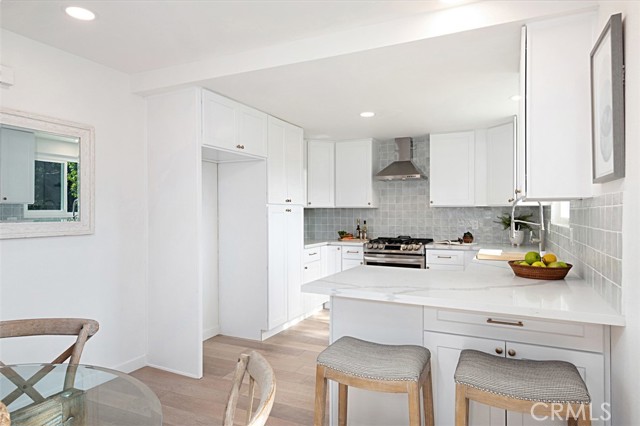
(593, 243)
(403, 209)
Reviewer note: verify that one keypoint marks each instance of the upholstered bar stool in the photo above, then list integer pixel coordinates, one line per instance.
(542, 388)
(375, 367)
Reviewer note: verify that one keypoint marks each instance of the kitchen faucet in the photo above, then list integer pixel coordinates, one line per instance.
(541, 237)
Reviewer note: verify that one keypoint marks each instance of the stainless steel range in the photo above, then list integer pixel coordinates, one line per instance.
(402, 252)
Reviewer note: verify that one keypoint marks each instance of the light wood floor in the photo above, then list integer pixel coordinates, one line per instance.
(292, 353)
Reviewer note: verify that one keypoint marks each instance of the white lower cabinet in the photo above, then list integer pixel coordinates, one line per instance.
(333, 259)
(313, 269)
(285, 264)
(445, 350)
(352, 256)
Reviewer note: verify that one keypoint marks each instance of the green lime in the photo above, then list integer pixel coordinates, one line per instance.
(531, 257)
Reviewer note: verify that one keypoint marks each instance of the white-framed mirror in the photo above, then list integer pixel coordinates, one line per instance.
(46, 176)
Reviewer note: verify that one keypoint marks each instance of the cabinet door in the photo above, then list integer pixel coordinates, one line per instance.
(354, 174)
(558, 114)
(333, 260)
(445, 351)
(17, 166)
(500, 164)
(294, 235)
(218, 121)
(277, 294)
(294, 163)
(351, 263)
(320, 174)
(251, 131)
(285, 172)
(589, 364)
(452, 160)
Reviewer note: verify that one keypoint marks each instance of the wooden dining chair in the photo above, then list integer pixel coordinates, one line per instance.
(5, 419)
(84, 329)
(260, 374)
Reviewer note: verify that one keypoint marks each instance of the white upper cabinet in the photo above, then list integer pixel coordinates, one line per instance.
(285, 163)
(557, 133)
(354, 173)
(17, 161)
(320, 174)
(452, 171)
(500, 164)
(231, 126)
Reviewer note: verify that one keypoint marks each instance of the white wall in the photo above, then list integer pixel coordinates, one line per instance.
(626, 341)
(101, 276)
(211, 317)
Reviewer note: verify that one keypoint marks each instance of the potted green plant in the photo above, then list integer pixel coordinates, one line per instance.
(518, 237)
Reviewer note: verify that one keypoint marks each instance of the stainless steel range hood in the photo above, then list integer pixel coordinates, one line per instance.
(403, 169)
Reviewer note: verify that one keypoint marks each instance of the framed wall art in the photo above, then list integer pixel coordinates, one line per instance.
(607, 103)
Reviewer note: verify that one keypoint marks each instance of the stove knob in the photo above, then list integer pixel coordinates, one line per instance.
(403, 247)
(381, 246)
(413, 247)
(369, 245)
(416, 246)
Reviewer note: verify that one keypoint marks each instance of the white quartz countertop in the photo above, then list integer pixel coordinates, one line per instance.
(320, 243)
(484, 286)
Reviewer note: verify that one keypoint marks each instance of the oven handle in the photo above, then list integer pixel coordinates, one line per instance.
(405, 259)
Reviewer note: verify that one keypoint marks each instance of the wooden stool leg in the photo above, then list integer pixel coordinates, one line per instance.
(342, 404)
(462, 406)
(321, 396)
(414, 404)
(427, 400)
(586, 419)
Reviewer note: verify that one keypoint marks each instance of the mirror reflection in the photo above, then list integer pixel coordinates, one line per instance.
(39, 176)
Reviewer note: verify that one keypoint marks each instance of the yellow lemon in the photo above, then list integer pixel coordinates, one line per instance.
(523, 263)
(549, 258)
(531, 257)
(538, 263)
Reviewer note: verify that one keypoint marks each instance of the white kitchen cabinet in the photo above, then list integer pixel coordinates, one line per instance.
(554, 158)
(354, 165)
(333, 256)
(452, 169)
(445, 260)
(320, 174)
(17, 166)
(352, 256)
(314, 268)
(285, 173)
(232, 126)
(445, 337)
(500, 164)
(285, 225)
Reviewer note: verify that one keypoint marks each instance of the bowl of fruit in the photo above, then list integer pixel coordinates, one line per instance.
(344, 235)
(547, 267)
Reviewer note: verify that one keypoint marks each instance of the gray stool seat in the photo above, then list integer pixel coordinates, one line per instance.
(375, 361)
(539, 381)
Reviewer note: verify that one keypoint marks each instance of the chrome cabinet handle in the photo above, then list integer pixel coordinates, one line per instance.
(309, 203)
(306, 267)
(353, 252)
(510, 200)
(288, 210)
(499, 350)
(240, 146)
(431, 202)
(444, 257)
(500, 322)
(518, 191)
(313, 254)
(511, 352)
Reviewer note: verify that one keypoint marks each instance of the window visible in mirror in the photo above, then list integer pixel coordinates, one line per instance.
(55, 189)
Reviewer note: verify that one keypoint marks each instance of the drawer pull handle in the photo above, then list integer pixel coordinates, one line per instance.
(499, 351)
(313, 254)
(306, 267)
(444, 257)
(353, 252)
(511, 352)
(512, 323)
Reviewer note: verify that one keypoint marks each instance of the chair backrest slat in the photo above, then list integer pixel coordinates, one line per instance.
(261, 375)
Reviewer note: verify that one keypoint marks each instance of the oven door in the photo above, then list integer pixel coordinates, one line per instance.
(395, 260)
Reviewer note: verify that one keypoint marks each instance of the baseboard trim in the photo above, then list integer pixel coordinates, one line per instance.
(210, 332)
(132, 365)
(171, 370)
(278, 329)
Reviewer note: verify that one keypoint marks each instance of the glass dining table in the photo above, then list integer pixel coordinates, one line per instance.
(82, 395)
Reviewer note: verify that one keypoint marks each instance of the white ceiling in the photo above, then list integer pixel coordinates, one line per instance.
(453, 82)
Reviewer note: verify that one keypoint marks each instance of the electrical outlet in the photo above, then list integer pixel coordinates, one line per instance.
(474, 224)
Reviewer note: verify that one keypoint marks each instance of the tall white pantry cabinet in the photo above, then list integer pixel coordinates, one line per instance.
(182, 139)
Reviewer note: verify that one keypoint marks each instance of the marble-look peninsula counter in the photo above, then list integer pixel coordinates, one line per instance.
(484, 307)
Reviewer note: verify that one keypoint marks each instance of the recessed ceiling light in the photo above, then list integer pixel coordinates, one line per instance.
(515, 97)
(80, 13)
(367, 114)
